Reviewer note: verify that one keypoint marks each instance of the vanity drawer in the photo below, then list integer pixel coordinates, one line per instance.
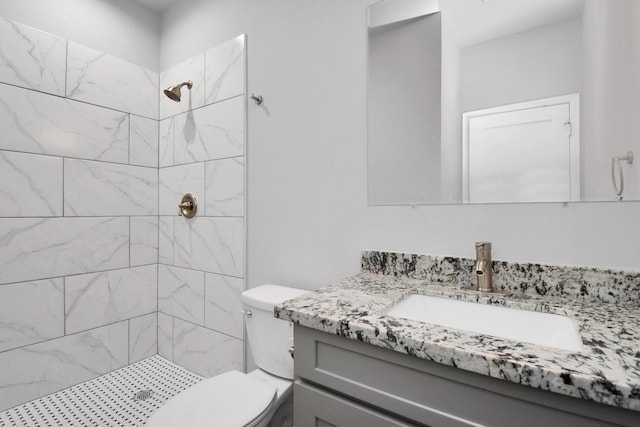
(314, 407)
(430, 393)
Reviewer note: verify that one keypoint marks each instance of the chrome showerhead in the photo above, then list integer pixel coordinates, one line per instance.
(173, 92)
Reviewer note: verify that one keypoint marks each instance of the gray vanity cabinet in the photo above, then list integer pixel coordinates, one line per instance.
(317, 407)
(346, 383)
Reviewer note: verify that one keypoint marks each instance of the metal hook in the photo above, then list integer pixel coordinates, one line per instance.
(257, 98)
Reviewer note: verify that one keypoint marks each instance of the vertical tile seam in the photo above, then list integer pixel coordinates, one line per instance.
(157, 309)
(66, 67)
(128, 342)
(129, 139)
(245, 164)
(204, 194)
(173, 240)
(204, 77)
(173, 141)
(204, 301)
(64, 161)
(64, 306)
(158, 230)
(159, 219)
(173, 339)
(129, 241)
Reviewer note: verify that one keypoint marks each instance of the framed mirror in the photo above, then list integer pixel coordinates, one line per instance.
(499, 101)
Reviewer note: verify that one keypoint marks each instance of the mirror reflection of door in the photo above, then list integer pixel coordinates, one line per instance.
(526, 152)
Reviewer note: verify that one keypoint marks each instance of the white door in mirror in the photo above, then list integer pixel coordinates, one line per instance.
(525, 152)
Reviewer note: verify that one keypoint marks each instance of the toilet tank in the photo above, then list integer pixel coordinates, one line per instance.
(270, 338)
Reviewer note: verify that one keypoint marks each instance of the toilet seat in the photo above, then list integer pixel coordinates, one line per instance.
(232, 399)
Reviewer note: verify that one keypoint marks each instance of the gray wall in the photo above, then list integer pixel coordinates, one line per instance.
(535, 64)
(307, 213)
(308, 217)
(611, 102)
(451, 127)
(404, 112)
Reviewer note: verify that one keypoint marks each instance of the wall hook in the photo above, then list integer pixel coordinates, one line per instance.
(257, 98)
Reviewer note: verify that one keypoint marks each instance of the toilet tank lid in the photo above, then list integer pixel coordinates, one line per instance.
(265, 297)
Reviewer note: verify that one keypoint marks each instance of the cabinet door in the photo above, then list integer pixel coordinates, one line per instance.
(432, 394)
(314, 407)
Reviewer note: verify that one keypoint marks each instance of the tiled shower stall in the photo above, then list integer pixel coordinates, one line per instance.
(97, 270)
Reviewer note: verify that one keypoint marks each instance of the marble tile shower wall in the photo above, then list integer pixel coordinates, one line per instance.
(78, 213)
(201, 260)
(89, 185)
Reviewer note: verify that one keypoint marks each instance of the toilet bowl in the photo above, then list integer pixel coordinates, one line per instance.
(235, 399)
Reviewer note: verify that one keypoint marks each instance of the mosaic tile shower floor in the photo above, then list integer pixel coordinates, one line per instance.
(115, 399)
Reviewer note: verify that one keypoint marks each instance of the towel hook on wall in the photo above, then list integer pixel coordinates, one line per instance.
(617, 167)
(257, 98)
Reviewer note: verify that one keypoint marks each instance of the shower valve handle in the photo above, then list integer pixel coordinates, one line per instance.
(188, 206)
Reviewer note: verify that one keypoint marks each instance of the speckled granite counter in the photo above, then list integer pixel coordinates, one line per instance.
(603, 303)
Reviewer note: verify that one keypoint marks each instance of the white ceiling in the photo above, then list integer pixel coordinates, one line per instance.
(158, 5)
(475, 21)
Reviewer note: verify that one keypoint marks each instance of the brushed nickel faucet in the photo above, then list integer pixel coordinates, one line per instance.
(484, 268)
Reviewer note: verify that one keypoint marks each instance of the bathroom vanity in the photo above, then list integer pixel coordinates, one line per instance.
(358, 365)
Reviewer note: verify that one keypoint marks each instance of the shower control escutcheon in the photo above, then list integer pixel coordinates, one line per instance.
(188, 206)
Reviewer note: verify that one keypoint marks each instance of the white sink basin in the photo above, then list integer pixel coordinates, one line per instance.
(545, 329)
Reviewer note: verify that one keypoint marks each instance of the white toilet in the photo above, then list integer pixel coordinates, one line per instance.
(235, 399)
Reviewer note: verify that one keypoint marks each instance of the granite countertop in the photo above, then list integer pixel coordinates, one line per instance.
(607, 370)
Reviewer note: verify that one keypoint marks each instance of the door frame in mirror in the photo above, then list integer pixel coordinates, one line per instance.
(574, 137)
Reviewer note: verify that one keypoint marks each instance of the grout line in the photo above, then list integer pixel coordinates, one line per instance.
(66, 67)
(80, 274)
(143, 215)
(204, 301)
(64, 161)
(196, 162)
(129, 140)
(201, 326)
(198, 271)
(173, 333)
(204, 194)
(245, 177)
(128, 341)
(204, 76)
(173, 141)
(64, 307)
(109, 162)
(158, 308)
(83, 159)
(64, 97)
(130, 242)
(173, 240)
(67, 335)
(200, 107)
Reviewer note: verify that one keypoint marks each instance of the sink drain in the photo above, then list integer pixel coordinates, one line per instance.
(142, 395)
